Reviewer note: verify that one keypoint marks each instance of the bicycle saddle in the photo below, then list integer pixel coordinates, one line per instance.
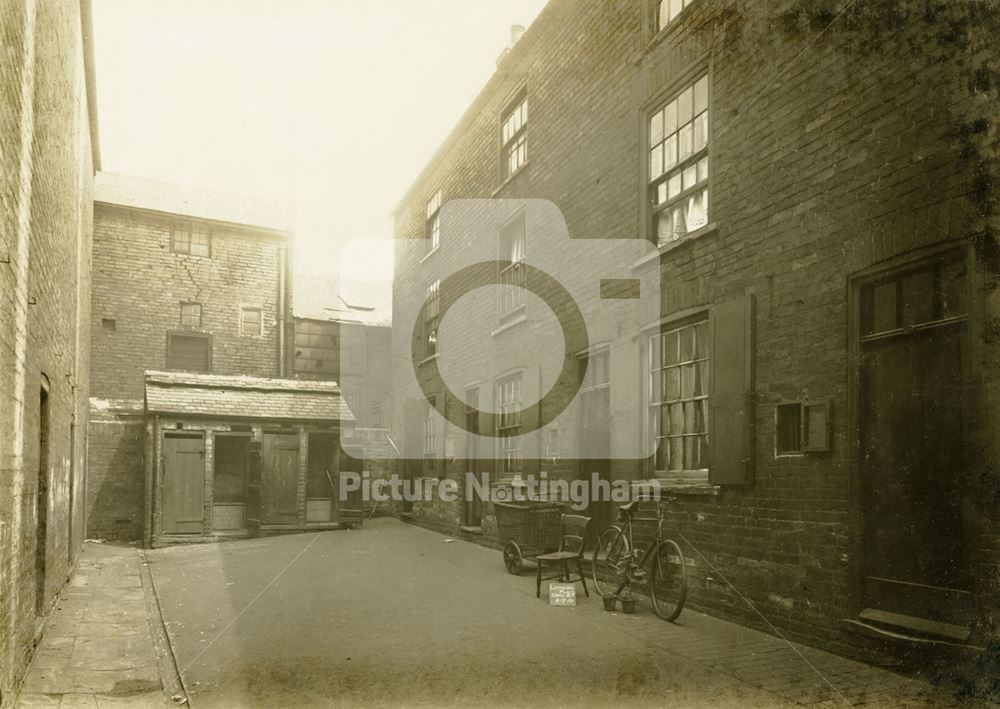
(629, 508)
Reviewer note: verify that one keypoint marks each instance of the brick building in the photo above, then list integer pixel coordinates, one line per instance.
(820, 376)
(49, 151)
(190, 281)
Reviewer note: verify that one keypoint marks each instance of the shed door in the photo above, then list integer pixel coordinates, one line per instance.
(183, 483)
(279, 478)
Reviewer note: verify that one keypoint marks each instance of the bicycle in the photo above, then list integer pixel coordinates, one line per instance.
(616, 565)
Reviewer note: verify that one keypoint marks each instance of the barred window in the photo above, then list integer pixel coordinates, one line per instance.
(514, 135)
(509, 399)
(512, 276)
(678, 400)
(678, 163)
(433, 229)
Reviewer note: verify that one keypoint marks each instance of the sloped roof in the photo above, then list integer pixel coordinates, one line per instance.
(188, 201)
(318, 298)
(218, 395)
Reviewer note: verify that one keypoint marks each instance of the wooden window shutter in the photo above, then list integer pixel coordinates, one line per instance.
(731, 399)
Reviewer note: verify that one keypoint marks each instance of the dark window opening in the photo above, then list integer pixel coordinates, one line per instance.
(108, 324)
(189, 352)
(788, 428)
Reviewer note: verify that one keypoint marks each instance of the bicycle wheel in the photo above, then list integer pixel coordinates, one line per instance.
(609, 560)
(669, 586)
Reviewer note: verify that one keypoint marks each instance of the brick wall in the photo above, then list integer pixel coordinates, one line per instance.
(822, 166)
(45, 243)
(139, 283)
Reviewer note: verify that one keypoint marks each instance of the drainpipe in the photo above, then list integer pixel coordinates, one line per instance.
(282, 285)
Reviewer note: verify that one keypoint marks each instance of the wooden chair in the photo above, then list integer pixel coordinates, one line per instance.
(573, 531)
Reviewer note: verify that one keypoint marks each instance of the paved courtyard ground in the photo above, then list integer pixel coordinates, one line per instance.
(394, 614)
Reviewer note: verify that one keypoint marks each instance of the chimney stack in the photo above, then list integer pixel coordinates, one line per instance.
(515, 34)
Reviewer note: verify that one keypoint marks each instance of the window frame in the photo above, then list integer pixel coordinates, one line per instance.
(518, 102)
(207, 337)
(510, 453)
(186, 246)
(701, 316)
(201, 314)
(251, 308)
(653, 13)
(701, 68)
(429, 435)
(432, 318)
(514, 275)
(432, 223)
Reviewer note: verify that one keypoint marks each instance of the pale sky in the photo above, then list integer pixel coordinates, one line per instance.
(334, 105)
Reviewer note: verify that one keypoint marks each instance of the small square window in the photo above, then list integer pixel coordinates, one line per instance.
(251, 321)
(802, 427)
(191, 315)
(108, 324)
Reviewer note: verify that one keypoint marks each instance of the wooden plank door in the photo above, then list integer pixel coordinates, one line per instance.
(913, 435)
(279, 478)
(183, 484)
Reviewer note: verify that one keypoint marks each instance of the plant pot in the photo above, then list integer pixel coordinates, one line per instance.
(609, 602)
(628, 605)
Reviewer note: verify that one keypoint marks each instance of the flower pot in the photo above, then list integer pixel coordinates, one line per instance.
(628, 605)
(609, 602)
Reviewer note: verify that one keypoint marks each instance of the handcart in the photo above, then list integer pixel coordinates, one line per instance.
(526, 530)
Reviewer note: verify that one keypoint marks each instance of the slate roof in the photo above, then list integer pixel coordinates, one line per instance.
(188, 201)
(244, 397)
(367, 304)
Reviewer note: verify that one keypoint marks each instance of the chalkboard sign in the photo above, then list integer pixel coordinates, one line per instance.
(562, 594)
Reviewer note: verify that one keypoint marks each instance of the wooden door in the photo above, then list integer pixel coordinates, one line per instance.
(472, 504)
(913, 434)
(183, 483)
(279, 478)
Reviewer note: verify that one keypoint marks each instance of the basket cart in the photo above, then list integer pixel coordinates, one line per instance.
(527, 529)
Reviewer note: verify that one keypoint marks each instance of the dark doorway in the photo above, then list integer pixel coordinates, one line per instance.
(229, 482)
(595, 437)
(42, 499)
(183, 505)
(279, 478)
(914, 433)
(321, 477)
(473, 504)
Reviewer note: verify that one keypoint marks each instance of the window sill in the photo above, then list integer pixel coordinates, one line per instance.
(430, 253)
(680, 487)
(510, 324)
(510, 178)
(677, 243)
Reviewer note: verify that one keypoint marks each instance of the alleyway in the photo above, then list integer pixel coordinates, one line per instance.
(393, 614)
